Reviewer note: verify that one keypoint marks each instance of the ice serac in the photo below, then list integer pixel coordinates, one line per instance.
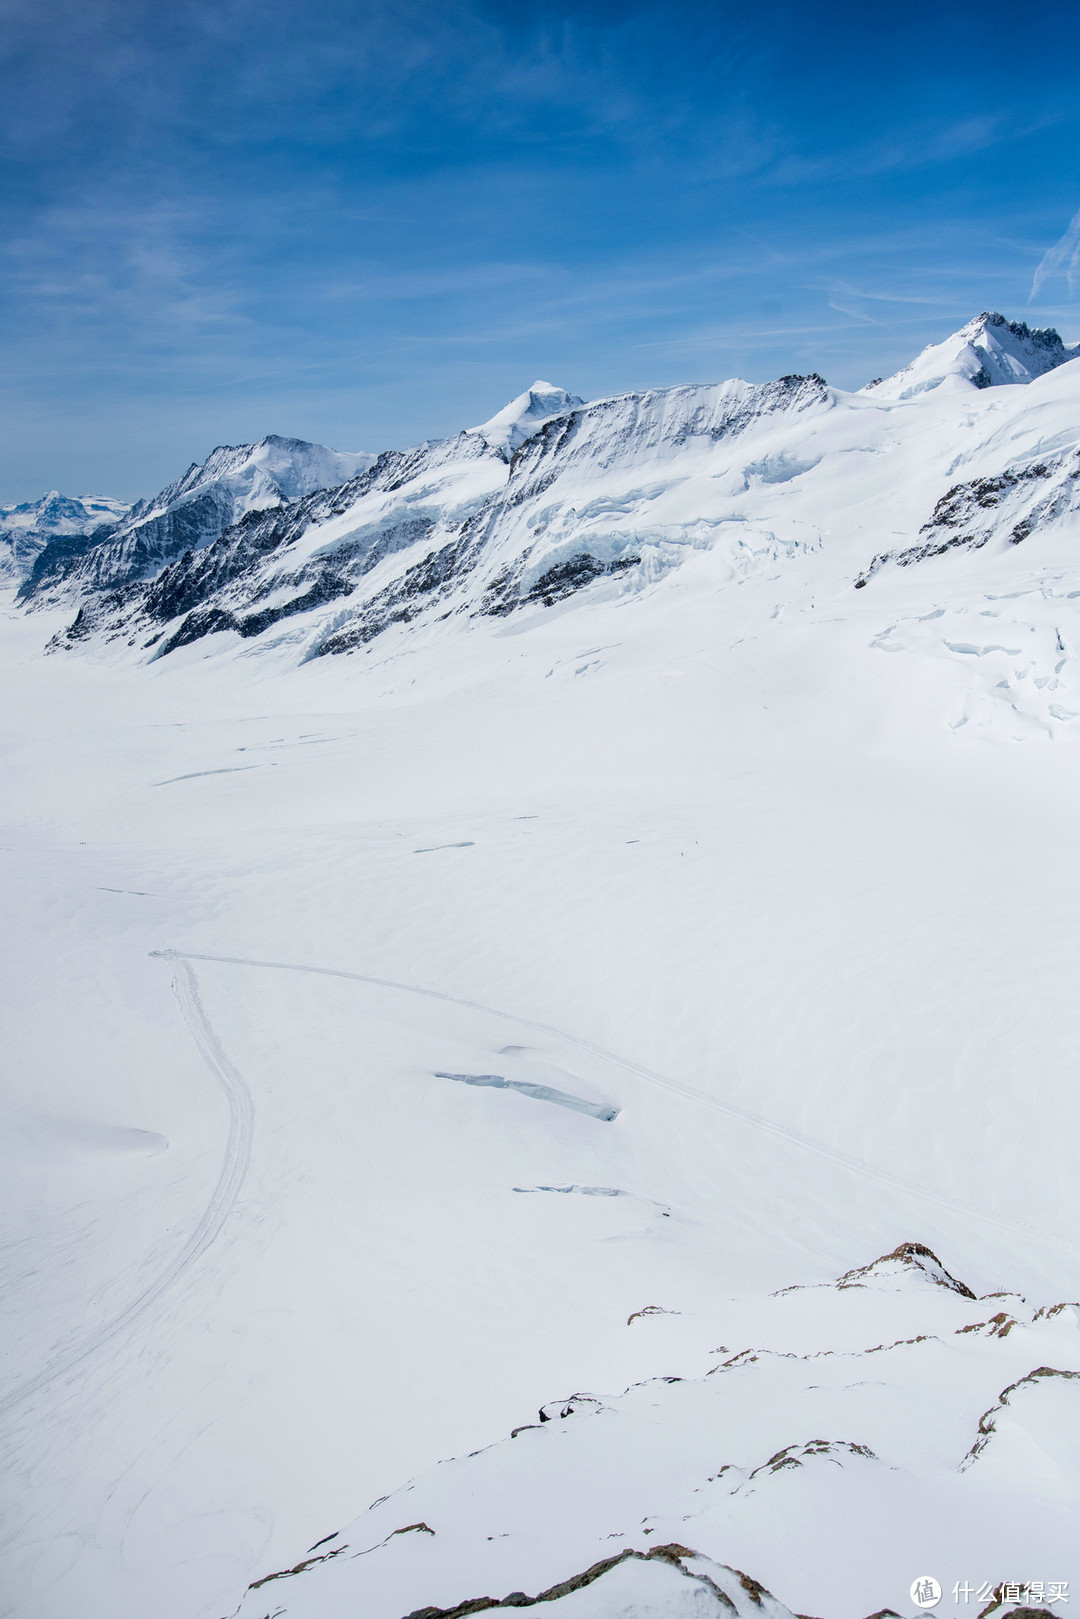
(988, 352)
(26, 529)
(189, 514)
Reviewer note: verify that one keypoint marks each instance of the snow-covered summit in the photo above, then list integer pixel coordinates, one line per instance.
(259, 475)
(27, 528)
(521, 418)
(988, 352)
(552, 497)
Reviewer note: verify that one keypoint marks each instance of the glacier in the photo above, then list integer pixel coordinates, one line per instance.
(661, 806)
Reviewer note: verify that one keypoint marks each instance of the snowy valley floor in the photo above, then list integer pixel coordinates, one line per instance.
(803, 944)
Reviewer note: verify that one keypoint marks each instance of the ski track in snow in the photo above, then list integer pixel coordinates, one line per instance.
(234, 1168)
(881, 1176)
(242, 1117)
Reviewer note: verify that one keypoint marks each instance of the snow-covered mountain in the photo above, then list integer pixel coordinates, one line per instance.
(464, 524)
(188, 514)
(26, 529)
(540, 1028)
(554, 499)
(989, 351)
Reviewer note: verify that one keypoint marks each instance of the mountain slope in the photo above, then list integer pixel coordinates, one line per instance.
(188, 514)
(846, 1420)
(464, 524)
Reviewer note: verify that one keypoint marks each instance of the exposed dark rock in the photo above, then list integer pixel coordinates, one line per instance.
(914, 1256)
(965, 505)
(672, 1554)
(987, 1424)
(184, 575)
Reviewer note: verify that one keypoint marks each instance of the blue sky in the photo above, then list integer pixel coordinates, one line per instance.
(370, 223)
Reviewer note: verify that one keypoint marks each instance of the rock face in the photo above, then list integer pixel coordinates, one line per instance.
(188, 514)
(26, 529)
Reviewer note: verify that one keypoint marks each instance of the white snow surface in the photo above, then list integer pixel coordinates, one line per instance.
(744, 895)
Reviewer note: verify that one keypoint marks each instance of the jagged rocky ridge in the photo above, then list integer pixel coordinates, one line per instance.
(988, 352)
(969, 515)
(479, 527)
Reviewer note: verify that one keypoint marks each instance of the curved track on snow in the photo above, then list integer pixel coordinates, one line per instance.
(856, 1165)
(233, 1169)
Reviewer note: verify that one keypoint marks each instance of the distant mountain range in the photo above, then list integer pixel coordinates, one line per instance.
(299, 547)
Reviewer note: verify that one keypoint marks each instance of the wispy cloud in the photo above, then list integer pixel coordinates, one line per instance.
(1062, 259)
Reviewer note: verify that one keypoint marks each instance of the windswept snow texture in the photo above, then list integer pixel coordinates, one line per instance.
(571, 1103)
(188, 515)
(25, 530)
(792, 1438)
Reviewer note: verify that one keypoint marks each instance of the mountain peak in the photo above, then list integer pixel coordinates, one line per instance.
(989, 352)
(521, 418)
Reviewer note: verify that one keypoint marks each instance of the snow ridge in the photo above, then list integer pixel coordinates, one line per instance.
(292, 551)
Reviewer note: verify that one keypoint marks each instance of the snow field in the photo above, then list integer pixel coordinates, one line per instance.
(782, 871)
